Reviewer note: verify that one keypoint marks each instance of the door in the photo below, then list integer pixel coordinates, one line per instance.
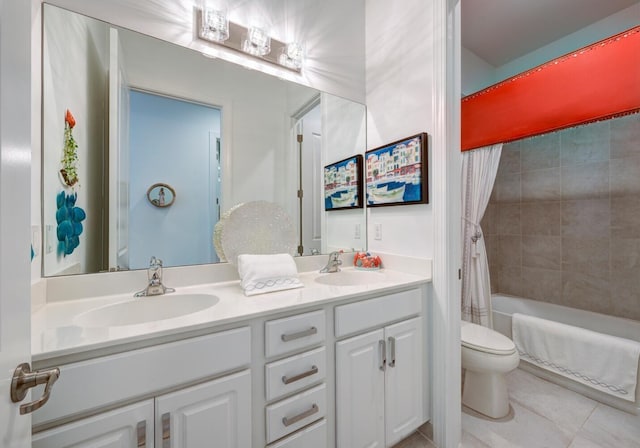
(312, 180)
(118, 157)
(127, 427)
(216, 413)
(404, 379)
(15, 175)
(360, 391)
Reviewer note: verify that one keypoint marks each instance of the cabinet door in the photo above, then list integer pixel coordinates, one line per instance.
(216, 413)
(404, 379)
(360, 391)
(127, 427)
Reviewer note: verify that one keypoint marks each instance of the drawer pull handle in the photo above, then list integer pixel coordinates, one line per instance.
(290, 421)
(141, 432)
(312, 371)
(392, 348)
(382, 345)
(299, 334)
(166, 430)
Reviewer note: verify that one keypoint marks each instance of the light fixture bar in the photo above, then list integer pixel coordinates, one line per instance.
(238, 33)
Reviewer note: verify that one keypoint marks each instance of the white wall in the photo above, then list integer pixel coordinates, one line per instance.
(478, 74)
(74, 77)
(399, 104)
(343, 135)
(331, 30)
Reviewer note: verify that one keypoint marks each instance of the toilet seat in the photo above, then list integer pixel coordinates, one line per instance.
(483, 339)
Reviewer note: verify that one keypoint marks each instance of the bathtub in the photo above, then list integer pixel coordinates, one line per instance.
(504, 306)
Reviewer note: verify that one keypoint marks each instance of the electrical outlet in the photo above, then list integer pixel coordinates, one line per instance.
(356, 233)
(377, 231)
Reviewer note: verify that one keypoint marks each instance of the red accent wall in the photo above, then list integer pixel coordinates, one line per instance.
(594, 83)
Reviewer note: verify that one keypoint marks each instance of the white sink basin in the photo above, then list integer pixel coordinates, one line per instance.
(146, 309)
(351, 278)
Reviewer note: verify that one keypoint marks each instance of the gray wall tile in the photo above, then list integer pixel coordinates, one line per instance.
(509, 219)
(542, 284)
(509, 159)
(586, 292)
(508, 188)
(586, 255)
(509, 250)
(541, 218)
(540, 152)
(586, 181)
(583, 144)
(625, 176)
(541, 185)
(625, 217)
(567, 218)
(489, 221)
(625, 136)
(586, 217)
(541, 252)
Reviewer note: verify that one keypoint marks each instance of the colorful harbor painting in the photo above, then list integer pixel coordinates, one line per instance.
(397, 173)
(343, 184)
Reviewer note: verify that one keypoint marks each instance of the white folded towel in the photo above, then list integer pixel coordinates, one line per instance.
(603, 362)
(260, 274)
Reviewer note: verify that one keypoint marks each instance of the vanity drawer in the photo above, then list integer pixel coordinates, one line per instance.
(311, 437)
(294, 373)
(360, 316)
(106, 381)
(287, 416)
(294, 333)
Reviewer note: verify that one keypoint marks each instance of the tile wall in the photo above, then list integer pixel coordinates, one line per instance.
(563, 222)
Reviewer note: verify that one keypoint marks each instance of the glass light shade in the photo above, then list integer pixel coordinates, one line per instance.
(215, 25)
(257, 42)
(292, 56)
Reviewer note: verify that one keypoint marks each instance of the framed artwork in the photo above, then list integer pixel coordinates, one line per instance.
(343, 184)
(397, 173)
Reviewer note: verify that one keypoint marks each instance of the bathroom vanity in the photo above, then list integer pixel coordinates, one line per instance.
(341, 362)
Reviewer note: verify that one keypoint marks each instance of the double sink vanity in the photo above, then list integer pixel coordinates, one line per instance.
(341, 362)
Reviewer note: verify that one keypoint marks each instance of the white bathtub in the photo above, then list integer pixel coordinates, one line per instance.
(504, 306)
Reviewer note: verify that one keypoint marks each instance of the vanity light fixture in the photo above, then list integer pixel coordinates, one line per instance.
(213, 26)
(256, 42)
(292, 56)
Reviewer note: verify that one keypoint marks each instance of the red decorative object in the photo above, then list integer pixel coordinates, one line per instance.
(594, 83)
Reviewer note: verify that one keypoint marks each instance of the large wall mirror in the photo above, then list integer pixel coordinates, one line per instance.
(145, 112)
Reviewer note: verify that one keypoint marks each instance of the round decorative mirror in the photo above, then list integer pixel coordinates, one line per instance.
(161, 195)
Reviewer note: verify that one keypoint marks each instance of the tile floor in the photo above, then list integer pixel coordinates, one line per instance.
(543, 415)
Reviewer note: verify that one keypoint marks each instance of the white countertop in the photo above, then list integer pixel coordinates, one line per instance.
(55, 331)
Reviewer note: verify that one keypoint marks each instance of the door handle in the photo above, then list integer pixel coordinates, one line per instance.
(24, 379)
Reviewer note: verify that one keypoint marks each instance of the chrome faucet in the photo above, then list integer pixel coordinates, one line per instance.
(333, 265)
(154, 275)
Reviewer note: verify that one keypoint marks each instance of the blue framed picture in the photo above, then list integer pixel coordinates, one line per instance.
(396, 174)
(343, 184)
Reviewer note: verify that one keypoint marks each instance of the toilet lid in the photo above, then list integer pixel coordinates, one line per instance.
(483, 339)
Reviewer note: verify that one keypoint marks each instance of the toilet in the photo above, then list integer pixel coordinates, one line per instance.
(487, 357)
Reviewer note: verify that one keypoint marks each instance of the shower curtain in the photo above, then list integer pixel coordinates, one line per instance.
(479, 169)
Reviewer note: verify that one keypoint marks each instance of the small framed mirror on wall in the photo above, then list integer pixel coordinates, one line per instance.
(161, 195)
